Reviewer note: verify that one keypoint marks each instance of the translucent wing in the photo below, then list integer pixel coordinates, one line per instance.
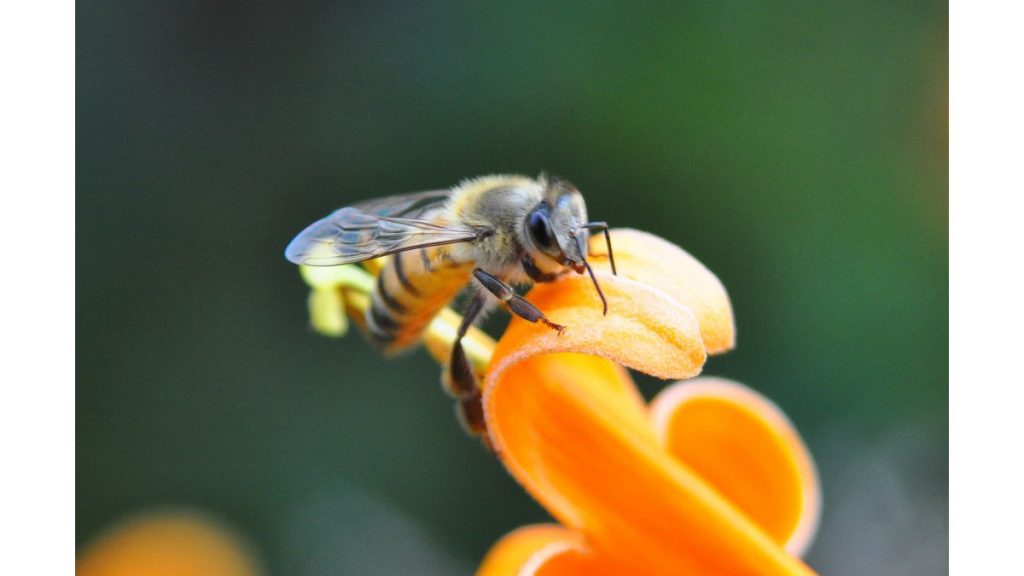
(354, 234)
(417, 205)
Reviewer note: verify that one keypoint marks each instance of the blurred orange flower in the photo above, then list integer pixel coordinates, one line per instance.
(710, 479)
(167, 543)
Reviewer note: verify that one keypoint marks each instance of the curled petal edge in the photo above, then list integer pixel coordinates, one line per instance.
(746, 447)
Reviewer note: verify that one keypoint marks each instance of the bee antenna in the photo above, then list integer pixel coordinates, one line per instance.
(604, 302)
(598, 286)
(603, 226)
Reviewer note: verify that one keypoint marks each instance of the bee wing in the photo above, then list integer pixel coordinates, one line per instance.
(416, 205)
(352, 235)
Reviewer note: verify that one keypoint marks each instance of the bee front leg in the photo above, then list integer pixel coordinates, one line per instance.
(515, 303)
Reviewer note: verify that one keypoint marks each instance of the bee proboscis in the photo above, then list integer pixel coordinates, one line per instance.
(492, 231)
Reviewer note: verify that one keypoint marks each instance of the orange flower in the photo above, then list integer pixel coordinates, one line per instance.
(167, 543)
(710, 479)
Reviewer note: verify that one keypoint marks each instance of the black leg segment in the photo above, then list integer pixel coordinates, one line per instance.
(470, 411)
(460, 378)
(515, 303)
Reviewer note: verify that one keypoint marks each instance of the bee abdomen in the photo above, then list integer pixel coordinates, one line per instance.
(411, 289)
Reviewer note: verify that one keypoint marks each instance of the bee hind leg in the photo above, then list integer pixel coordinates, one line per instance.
(515, 303)
(470, 412)
(461, 382)
(459, 379)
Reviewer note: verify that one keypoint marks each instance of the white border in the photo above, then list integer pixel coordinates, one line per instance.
(986, 286)
(37, 403)
(37, 233)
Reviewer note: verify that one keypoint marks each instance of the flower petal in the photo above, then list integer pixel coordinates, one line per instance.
(745, 447)
(639, 317)
(516, 548)
(579, 445)
(540, 550)
(669, 268)
(566, 561)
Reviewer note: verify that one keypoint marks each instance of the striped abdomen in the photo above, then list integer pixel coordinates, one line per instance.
(411, 289)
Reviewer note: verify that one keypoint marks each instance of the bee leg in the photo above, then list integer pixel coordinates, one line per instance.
(515, 303)
(459, 378)
(461, 382)
(470, 411)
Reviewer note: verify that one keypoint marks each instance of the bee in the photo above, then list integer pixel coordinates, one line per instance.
(491, 231)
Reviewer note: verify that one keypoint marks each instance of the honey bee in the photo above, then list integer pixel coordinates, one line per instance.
(491, 231)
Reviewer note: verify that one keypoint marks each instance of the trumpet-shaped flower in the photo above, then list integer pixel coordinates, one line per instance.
(711, 478)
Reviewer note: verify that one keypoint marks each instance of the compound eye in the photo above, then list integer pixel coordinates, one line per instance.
(540, 230)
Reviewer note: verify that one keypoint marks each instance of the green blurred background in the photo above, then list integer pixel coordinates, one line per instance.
(797, 149)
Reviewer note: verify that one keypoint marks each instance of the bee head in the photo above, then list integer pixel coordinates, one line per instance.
(554, 224)
(558, 227)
